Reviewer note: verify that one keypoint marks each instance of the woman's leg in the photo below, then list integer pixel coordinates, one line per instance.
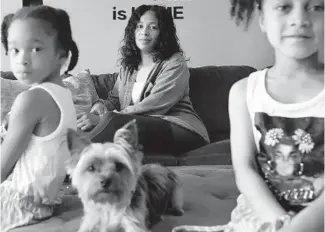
(185, 140)
(155, 134)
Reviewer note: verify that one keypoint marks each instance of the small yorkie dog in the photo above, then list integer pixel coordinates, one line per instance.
(118, 193)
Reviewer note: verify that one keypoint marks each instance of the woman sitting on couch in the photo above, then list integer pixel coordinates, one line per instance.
(152, 87)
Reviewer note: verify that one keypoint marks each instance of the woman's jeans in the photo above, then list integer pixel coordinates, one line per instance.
(156, 135)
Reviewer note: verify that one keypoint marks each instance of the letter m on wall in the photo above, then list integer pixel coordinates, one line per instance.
(32, 2)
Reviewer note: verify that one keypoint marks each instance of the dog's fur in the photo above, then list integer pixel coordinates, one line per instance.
(118, 193)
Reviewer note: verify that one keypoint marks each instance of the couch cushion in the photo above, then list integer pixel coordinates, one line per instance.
(213, 153)
(209, 196)
(209, 90)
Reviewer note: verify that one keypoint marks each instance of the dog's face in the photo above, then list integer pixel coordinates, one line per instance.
(105, 173)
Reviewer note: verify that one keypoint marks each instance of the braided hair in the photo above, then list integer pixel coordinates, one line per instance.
(167, 43)
(243, 10)
(57, 18)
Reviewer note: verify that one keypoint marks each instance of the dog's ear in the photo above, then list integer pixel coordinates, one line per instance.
(127, 137)
(76, 141)
(76, 144)
(71, 163)
(128, 134)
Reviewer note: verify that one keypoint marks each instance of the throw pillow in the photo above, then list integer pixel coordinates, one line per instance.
(81, 86)
(9, 90)
(104, 83)
(83, 91)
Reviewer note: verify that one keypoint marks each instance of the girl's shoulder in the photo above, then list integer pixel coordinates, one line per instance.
(32, 103)
(39, 97)
(245, 88)
(238, 89)
(32, 97)
(251, 79)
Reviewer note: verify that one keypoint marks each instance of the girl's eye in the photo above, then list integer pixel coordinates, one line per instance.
(294, 155)
(36, 49)
(91, 168)
(277, 155)
(154, 27)
(139, 26)
(317, 8)
(283, 8)
(13, 50)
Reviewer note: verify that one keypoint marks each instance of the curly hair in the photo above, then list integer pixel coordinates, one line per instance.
(167, 43)
(243, 10)
(57, 18)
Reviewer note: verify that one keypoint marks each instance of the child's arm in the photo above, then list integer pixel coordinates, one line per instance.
(243, 150)
(25, 114)
(309, 219)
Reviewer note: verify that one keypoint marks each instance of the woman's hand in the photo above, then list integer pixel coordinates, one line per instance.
(99, 108)
(86, 122)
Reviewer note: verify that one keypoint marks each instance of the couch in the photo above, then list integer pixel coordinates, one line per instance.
(206, 173)
(209, 90)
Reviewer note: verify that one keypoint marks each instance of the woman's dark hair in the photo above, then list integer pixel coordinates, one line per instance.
(167, 42)
(242, 10)
(57, 18)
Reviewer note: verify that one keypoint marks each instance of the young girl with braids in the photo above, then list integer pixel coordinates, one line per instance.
(38, 41)
(277, 124)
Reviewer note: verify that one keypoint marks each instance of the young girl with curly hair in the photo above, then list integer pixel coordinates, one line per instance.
(277, 124)
(152, 87)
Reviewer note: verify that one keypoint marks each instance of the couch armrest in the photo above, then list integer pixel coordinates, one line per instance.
(104, 83)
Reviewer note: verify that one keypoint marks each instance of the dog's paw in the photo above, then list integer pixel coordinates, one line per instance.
(176, 212)
(162, 218)
(68, 189)
(154, 219)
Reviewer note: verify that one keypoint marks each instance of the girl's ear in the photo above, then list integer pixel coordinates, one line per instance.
(63, 57)
(63, 61)
(261, 21)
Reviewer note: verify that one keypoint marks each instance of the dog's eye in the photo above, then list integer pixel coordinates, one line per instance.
(119, 166)
(91, 168)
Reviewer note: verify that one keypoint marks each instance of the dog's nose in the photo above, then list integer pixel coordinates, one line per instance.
(106, 182)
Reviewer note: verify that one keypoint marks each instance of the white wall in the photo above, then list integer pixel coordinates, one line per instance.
(207, 34)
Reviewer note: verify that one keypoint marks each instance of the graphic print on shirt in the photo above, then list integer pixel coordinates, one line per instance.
(291, 156)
